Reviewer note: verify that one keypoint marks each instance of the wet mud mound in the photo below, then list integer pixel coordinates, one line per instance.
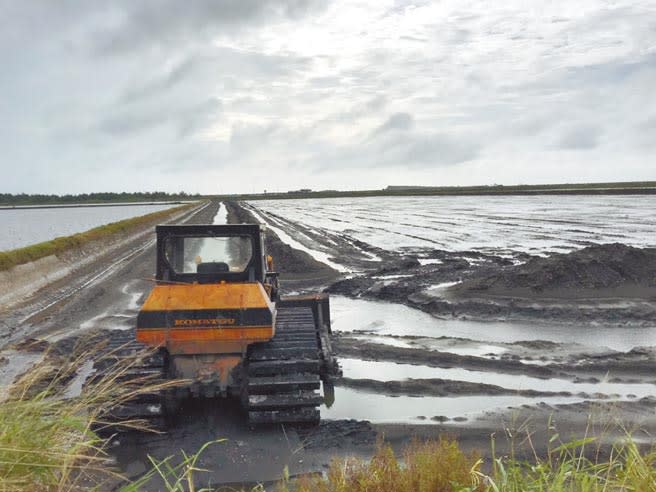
(610, 283)
(605, 267)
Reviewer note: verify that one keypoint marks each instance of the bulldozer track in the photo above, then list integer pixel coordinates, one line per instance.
(138, 369)
(284, 374)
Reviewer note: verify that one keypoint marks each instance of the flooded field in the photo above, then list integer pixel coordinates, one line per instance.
(536, 224)
(25, 226)
(409, 357)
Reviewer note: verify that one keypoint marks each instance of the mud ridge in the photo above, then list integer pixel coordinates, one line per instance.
(438, 387)
(612, 284)
(353, 348)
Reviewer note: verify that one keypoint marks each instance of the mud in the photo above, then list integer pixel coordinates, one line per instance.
(437, 387)
(349, 347)
(617, 269)
(611, 284)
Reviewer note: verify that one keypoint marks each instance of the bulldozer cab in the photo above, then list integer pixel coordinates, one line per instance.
(210, 253)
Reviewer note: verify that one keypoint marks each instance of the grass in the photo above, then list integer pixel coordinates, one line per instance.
(50, 443)
(57, 246)
(432, 466)
(441, 466)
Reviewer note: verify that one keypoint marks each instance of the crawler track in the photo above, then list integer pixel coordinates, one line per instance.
(133, 366)
(284, 375)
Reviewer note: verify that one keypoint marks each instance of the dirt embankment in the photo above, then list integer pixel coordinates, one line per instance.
(297, 269)
(609, 283)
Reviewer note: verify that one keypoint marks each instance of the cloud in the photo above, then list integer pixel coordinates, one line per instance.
(426, 150)
(162, 23)
(396, 122)
(198, 93)
(580, 138)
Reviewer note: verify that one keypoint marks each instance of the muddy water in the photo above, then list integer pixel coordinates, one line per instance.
(12, 364)
(401, 326)
(221, 217)
(380, 318)
(377, 408)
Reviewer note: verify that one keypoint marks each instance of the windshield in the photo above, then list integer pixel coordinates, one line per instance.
(201, 254)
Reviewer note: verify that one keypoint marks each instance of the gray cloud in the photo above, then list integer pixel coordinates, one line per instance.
(180, 94)
(580, 138)
(398, 121)
(161, 23)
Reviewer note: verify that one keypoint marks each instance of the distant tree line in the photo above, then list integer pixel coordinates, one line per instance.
(140, 196)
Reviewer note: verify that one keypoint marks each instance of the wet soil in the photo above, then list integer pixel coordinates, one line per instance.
(63, 320)
(438, 387)
(610, 283)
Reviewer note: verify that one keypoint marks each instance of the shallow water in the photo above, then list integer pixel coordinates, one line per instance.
(16, 363)
(390, 371)
(315, 253)
(492, 224)
(25, 226)
(380, 318)
(377, 408)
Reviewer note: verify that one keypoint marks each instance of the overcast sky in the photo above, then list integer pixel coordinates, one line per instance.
(219, 96)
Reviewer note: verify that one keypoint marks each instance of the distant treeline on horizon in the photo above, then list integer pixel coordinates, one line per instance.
(124, 197)
(629, 188)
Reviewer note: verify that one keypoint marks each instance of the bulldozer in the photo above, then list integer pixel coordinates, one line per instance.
(217, 320)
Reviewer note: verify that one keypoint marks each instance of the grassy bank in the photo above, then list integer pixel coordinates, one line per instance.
(442, 467)
(10, 259)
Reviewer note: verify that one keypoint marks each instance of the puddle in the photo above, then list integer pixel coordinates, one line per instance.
(429, 261)
(134, 297)
(394, 342)
(390, 371)
(17, 363)
(451, 345)
(75, 386)
(382, 318)
(438, 289)
(221, 217)
(353, 404)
